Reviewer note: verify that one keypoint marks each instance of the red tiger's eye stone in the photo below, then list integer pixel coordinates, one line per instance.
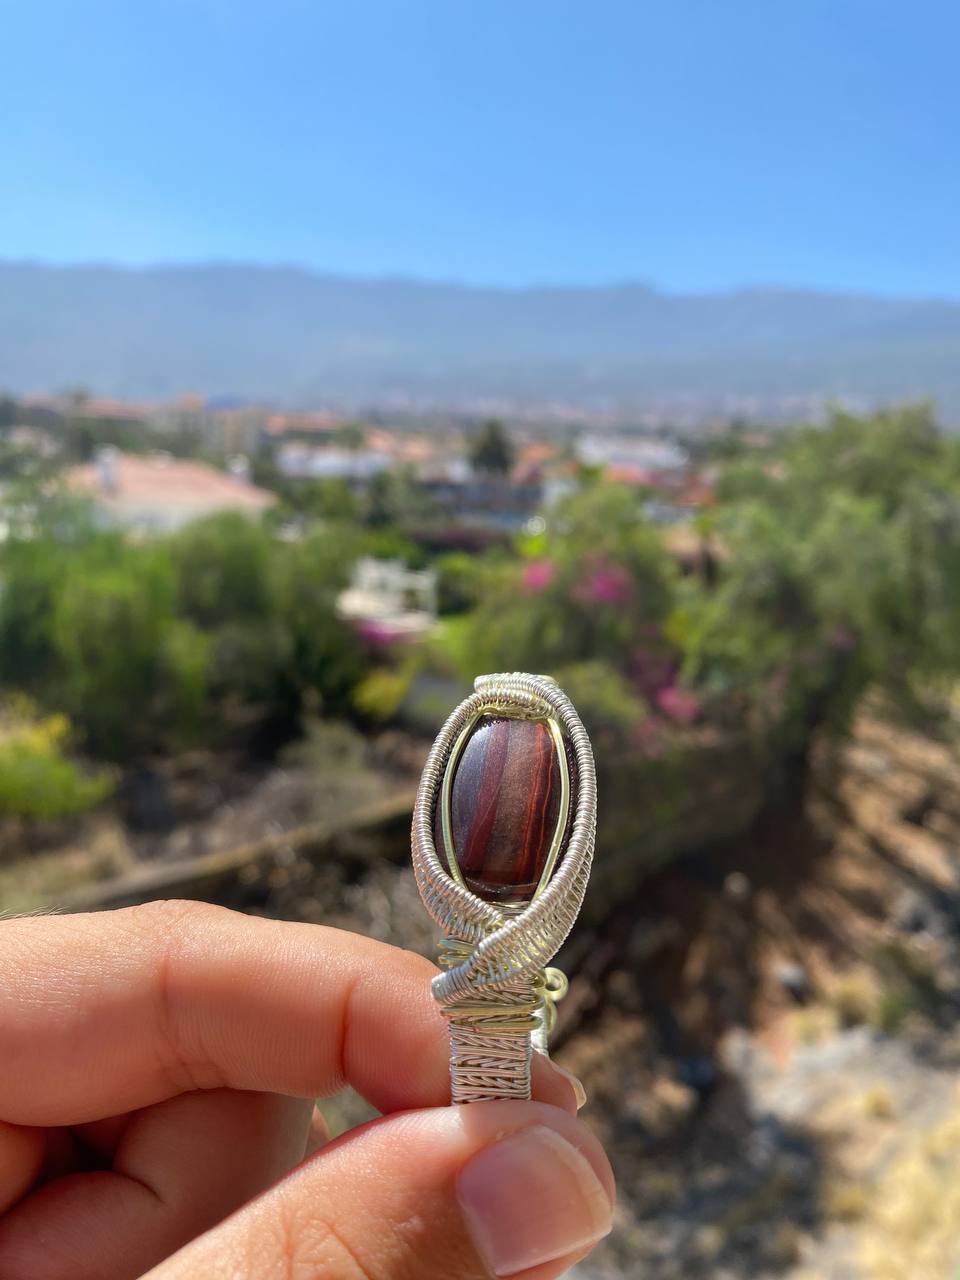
(504, 806)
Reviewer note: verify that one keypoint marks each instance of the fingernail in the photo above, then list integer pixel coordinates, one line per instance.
(574, 1082)
(531, 1198)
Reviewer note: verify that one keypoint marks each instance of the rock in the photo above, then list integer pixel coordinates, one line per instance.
(699, 1073)
(737, 886)
(146, 801)
(794, 979)
(913, 913)
(657, 1110)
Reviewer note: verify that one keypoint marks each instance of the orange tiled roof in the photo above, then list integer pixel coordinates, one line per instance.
(629, 473)
(105, 407)
(538, 451)
(278, 423)
(158, 479)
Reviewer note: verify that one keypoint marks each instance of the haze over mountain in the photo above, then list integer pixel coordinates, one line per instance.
(292, 337)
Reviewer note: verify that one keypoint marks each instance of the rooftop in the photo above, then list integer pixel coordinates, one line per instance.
(157, 479)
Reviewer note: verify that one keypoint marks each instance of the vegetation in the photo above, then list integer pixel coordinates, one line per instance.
(842, 565)
(834, 564)
(152, 646)
(830, 562)
(492, 450)
(37, 778)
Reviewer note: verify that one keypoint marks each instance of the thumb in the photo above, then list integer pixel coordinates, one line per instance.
(457, 1193)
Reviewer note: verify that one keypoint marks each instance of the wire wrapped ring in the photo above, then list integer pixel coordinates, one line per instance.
(496, 989)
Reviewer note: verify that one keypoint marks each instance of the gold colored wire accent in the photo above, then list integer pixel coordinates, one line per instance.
(520, 1014)
(560, 829)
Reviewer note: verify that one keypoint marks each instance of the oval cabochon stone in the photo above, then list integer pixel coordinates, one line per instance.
(505, 802)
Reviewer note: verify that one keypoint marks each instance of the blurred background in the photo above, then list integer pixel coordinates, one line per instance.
(347, 352)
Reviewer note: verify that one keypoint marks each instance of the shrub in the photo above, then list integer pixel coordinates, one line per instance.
(37, 779)
(380, 693)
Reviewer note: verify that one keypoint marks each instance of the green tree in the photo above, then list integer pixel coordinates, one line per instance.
(128, 672)
(222, 568)
(8, 412)
(491, 450)
(331, 499)
(841, 569)
(277, 645)
(326, 660)
(591, 587)
(50, 538)
(352, 436)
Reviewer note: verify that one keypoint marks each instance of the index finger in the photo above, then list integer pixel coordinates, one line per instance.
(102, 1014)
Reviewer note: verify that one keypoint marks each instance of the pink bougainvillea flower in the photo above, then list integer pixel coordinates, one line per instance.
(653, 670)
(604, 583)
(379, 635)
(537, 576)
(680, 705)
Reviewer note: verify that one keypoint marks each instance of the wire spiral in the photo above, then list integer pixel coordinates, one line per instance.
(496, 989)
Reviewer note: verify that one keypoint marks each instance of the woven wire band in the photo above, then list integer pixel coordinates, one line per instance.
(495, 958)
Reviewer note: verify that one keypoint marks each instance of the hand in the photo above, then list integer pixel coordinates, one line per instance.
(158, 1070)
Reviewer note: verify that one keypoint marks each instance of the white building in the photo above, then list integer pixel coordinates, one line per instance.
(388, 594)
(305, 462)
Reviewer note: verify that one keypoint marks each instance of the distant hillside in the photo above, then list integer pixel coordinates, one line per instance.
(293, 337)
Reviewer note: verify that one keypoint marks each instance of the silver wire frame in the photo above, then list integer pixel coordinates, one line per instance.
(496, 990)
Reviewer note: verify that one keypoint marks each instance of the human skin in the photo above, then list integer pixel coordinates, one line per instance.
(158, 1071)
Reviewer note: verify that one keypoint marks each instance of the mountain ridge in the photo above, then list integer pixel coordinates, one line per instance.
(288, 335)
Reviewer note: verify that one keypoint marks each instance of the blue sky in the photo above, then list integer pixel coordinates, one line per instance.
(691, 144)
